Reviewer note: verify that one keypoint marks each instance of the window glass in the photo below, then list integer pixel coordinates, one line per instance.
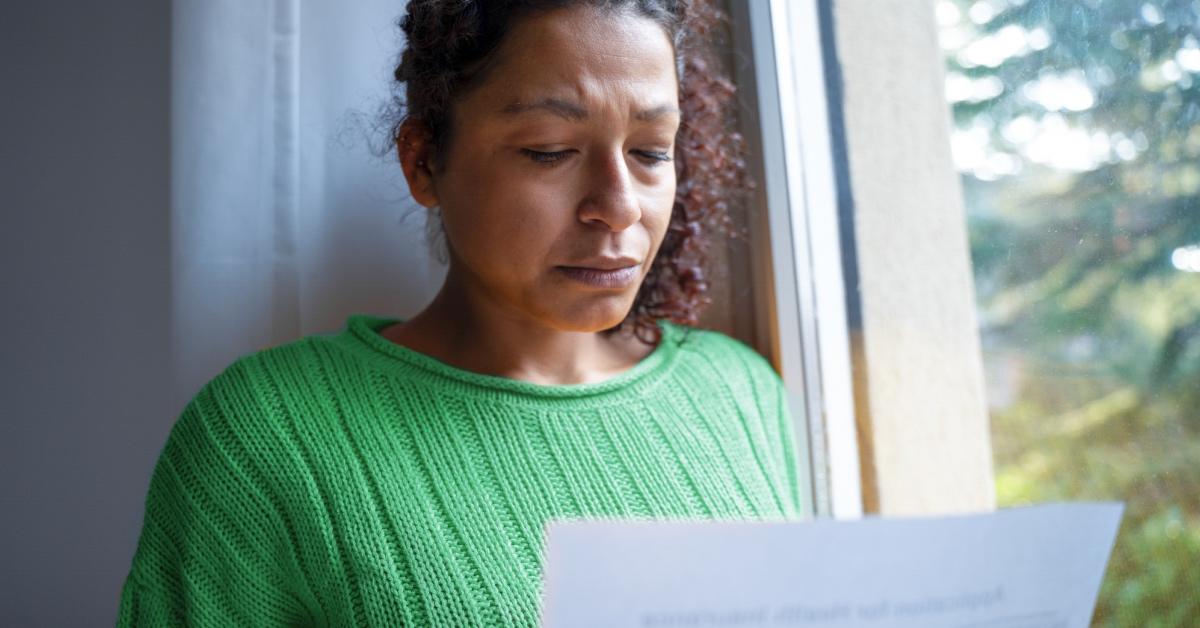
(1077, 135)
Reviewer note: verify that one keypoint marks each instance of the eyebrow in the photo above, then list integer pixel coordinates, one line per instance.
(575, 113)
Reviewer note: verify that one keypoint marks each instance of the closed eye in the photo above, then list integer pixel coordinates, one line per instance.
(655, 158)
(651, 158)
(544, 157)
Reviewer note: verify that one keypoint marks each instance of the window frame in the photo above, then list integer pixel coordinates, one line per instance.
(802, 310)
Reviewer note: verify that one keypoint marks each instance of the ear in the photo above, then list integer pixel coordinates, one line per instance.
(414, 147)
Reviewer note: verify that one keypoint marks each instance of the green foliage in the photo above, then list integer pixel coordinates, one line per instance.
(1151, 575)
(1078, 292)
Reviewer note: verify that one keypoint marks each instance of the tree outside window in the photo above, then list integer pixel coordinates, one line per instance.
(1077, 134)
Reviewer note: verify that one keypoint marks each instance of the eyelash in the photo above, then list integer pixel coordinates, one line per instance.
(551, 158)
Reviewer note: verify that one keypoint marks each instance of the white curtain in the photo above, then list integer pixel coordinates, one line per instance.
(283, 221)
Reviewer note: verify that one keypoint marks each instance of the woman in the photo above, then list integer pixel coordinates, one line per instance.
(401, 472)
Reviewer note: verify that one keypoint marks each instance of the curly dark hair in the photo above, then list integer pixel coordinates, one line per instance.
(449, 48)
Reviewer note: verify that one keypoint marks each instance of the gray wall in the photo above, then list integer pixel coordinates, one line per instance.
(84, 265)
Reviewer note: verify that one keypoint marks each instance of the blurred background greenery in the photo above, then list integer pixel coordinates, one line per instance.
(1077, 134)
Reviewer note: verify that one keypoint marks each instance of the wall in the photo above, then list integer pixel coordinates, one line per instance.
(923, 425)
(84, 262)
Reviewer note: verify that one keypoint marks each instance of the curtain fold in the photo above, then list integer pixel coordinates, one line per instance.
(282, 219)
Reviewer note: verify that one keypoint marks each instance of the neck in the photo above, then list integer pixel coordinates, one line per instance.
(468, 330)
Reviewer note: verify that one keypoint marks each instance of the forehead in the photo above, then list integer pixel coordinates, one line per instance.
(582, 55)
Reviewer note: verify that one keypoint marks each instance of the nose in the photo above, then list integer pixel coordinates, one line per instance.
(611, 201)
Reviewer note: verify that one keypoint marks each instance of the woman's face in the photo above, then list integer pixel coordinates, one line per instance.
(560, 161)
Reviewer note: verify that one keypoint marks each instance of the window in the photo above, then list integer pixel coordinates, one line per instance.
(1077, 135)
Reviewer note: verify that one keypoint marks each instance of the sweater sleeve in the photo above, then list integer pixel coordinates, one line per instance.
(781, 414)
(209, 549)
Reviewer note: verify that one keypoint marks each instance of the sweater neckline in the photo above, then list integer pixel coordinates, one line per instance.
(362, 331)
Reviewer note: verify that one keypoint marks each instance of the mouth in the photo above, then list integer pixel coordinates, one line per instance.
(604, 262)
(609, 278)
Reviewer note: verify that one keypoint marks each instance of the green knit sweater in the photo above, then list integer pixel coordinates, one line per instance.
(344, 480)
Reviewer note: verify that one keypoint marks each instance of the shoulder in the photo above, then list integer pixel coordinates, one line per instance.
(722, 354)
(278, 369)
(239, 414)
(233, 449)
(715, 345)
(253, 378)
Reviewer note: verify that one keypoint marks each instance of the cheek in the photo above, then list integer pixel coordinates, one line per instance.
(659, 206)
(502, 223)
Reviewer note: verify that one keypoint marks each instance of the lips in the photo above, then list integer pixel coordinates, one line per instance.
(604, 263)
(604, 273)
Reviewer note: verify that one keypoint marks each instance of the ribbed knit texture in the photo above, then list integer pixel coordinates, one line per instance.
(344, 480)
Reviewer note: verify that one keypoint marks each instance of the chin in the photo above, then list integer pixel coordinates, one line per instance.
(595, 315)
